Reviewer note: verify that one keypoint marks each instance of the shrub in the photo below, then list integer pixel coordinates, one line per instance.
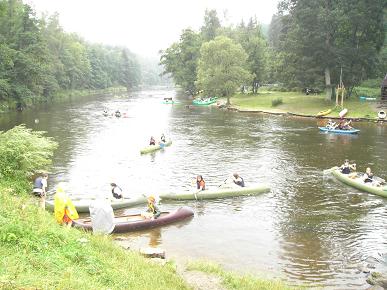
(23, 152)
(276, 102)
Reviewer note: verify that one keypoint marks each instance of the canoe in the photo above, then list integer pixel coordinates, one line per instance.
(130, 223)
(338, 131)
(153, 148)
(217, 192)
(82, 205)
(204, 102)
(359, 184)
(343, 113)
(170, 102)
(381, 114)
(323, 113)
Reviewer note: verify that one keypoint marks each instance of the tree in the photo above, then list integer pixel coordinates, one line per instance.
(181, 60)
(222, 67)
(211, 25)
(253, 42)
(325, 36)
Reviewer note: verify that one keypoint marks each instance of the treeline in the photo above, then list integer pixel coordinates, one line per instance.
(310, 43)
(38, 59)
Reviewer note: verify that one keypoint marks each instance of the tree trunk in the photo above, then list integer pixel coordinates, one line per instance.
(228, 101)
(328, 85)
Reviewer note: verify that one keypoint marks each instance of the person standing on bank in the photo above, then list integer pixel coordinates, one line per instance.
(40, 187)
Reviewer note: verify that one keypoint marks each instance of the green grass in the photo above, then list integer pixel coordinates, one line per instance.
(234, 281)
(38, 253)
(299, 103)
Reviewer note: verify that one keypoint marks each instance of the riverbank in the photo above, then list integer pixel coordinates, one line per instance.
(38, 253)
(61, 96)
(298, 104)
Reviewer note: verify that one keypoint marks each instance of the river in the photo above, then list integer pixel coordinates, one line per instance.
(310, 229)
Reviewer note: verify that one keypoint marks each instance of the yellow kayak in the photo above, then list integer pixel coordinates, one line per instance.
(323, 113)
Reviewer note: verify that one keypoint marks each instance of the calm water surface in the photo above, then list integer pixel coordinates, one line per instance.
(310, 229)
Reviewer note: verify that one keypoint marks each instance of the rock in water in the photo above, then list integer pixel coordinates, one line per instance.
(153, 252)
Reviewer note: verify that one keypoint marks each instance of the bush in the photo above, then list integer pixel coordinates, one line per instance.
(23, 152)
(367, 92)
(372, 83)
(276, 102)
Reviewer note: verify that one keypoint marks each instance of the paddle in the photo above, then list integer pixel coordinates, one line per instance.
(330, 170)
(223, 182)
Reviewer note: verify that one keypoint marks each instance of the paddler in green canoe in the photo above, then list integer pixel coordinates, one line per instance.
(200, 183)
(346, 168)
(238, 180)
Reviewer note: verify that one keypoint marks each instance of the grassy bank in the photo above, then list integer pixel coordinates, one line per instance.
(38, 253)
(233, 281)
(299, 103)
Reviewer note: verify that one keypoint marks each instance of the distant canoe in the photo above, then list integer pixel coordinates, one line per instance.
(131, 223)
(205, 102)
(153, 148)
(338, 131)
(323, 113)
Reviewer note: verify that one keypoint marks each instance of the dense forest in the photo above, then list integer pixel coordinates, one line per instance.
(309, 43)
(38, 59)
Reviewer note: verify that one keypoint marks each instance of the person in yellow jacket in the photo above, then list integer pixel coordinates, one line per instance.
(64, 209)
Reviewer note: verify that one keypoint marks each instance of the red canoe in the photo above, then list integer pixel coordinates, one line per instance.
(131, 223)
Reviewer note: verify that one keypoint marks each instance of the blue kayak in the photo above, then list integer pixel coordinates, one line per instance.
(351, 131)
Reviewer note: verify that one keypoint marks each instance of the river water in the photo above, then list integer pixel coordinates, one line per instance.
(310, 229)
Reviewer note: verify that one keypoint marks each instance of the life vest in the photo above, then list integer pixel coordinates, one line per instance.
(116, 195)
(369, 178)
(38, 182)
(346, 170)
(240, 183)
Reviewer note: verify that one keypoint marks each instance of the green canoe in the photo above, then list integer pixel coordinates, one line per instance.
(205, 102)
(359, 184)
(82, 205)
(152, 148)
(217, 192)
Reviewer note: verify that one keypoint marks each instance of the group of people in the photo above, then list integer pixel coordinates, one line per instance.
(117, 113)
(65, 211)
(367, 177)
(152, 140)
(341, 125)
(235, 179)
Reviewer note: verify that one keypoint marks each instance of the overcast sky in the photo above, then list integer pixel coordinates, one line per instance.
(146, 26)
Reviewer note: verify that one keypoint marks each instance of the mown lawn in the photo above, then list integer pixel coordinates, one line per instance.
(299, 103)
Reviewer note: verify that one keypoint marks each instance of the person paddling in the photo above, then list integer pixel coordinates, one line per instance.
(116, 191)
(368, 176)
(238, 180)
(153, 211)
(162, 138)
(152, 141)
(346, 167)
(200, 183)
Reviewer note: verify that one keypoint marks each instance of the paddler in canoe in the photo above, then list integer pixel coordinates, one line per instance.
(116, 191)
(368, 177)
(163, 139)
(153, 211)
(152, 141)
(347, 168)
(200, 183)
(238, 180)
